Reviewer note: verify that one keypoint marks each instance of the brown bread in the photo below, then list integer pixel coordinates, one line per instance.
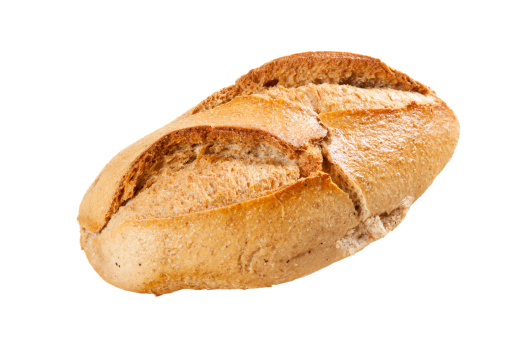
(304, 161)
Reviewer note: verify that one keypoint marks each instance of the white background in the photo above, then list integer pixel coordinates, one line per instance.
(80, 80)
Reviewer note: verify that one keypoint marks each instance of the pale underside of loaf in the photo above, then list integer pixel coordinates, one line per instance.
(259, 189)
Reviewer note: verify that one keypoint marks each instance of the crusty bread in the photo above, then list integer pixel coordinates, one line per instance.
(304, 161)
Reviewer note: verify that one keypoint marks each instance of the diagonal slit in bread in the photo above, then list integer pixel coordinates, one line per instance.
(208, 176)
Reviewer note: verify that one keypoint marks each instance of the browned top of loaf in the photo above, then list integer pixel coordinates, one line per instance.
(391, 154)
(315, 67)
(289, 126)
(285, 125)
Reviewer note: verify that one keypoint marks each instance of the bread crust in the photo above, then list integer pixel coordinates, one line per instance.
(286, 125)
(367, 139)
(256, 243)
(315, 67)
(362, 142)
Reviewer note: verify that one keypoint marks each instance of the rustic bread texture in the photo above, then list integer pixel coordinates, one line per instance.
(245, 119)
(304, 161)
(327, 97)
(209, 177)
(260, 242)
(321, 67)
(389, 154)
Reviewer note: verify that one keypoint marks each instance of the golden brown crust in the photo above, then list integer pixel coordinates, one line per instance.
(390, 154)
(366, 141)
(315, 67)
(261, 242)
(288, 126)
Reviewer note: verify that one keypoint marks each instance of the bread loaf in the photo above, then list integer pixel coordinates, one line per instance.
(302, 162)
